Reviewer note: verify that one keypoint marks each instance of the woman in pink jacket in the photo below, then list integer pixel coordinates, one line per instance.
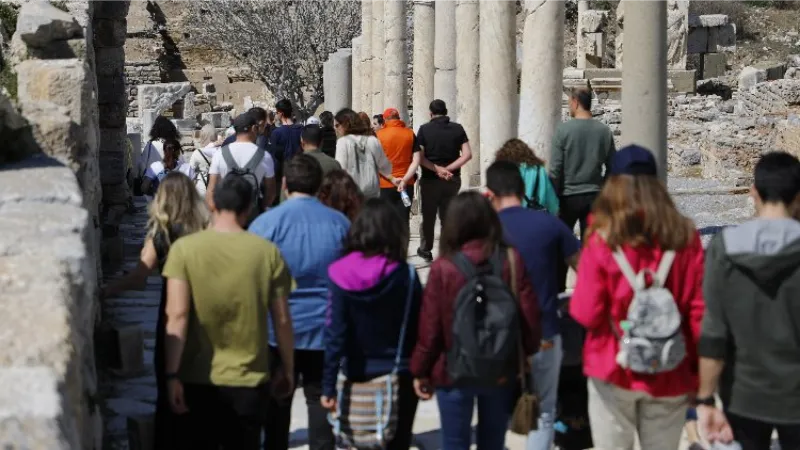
(640, 377)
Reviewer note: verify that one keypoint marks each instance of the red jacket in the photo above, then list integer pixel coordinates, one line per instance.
(602, 294)
(436, 316)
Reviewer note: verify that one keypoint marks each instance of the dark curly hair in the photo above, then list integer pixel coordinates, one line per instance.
(172, 153)
(518, 152)
(163, 128)
(352, 123)
(340, 192)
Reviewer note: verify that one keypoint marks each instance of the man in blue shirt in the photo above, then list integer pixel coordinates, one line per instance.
(541, 240)
(309, 236)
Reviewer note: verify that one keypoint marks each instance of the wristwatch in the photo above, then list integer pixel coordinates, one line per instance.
(705, 401)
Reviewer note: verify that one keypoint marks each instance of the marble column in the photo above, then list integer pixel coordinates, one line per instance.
(355, 99)
(365, 68)
(444, 53)
(395, 79)
(423, 70)
(542, 67)
(498, 78)
(337, 79)
(583, 6)
(378, 52)
(467, 70)
(644, 79)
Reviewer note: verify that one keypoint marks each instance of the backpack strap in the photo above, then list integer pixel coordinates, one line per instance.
(464, 265)
(228, 157)
(412, 277)
(258, 156)
(663, 268)
(627, 270)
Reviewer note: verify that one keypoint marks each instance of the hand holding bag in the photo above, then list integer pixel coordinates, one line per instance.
(525, 417)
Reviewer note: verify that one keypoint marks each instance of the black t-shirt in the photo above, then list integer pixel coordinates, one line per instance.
(442, 141)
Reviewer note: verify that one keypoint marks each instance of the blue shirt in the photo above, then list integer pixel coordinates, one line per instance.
(287, 137)
(309, 236)
(542, 240)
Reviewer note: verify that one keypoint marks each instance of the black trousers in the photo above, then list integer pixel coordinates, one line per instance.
(435, 195)
(573, 209)
(757, 435)
(407, 409)
(392, 196)
(308, 366)
(223, 418)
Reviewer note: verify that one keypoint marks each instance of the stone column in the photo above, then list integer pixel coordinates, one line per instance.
(337, 80)
(395, 80)
(644, 79)
(542, 67)
(444, 53)
(423, 69)
(583, 6)
(498, 78)
(365, 71)
(378, 51)
(355, 99)
(467, 70)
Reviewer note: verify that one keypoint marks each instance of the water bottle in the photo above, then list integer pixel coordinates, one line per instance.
(406, 199)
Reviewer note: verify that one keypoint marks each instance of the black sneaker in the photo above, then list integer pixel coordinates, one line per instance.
(424, 254)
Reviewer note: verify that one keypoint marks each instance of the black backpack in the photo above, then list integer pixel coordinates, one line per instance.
(486, 326)
(248, 172)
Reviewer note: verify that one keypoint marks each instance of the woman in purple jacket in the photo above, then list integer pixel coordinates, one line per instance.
(369, 289)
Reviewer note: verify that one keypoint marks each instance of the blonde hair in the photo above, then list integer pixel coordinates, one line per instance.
(208, 134)
(176, 205)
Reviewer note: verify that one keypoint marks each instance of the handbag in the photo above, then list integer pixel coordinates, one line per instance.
(366, 416)
(137, 182)
(525, 417)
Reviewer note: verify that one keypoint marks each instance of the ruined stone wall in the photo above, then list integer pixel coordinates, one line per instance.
(136, 73)
(50, 195)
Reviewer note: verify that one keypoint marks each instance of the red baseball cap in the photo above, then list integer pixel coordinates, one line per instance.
(390, 112)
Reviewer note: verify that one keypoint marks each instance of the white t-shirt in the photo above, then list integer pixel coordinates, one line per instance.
(242, 152)
(201, 163)
(158, 167)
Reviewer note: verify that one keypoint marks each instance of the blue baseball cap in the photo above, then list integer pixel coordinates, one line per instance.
(633, 160)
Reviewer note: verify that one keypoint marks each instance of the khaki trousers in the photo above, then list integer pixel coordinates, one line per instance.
(618, 415)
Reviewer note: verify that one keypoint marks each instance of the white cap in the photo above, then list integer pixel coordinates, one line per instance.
(313, 120)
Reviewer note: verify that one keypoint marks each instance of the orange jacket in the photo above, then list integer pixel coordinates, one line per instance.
(398, 144)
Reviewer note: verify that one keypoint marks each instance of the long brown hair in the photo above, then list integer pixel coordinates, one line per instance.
(340, 192)
(470, 217)
(795, 207)
(518, 152)
(176, 205)
(351, 123)
(637, 210)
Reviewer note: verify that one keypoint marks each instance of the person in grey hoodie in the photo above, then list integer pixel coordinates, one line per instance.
(750, 339)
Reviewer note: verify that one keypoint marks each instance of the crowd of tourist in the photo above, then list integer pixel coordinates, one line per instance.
(284, 253)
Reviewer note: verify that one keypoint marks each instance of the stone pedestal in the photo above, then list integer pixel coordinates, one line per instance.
(644, 79)
(337, 80)
(365, 73)
(378, 52)
(444, 54)
(498, 78)
(580, 61)
(467, 70)
(394, 85)
(542, 68)
(423, 70)
(355, 94)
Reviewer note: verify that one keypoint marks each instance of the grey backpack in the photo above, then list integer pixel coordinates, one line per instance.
(652, 339)
(366, 171)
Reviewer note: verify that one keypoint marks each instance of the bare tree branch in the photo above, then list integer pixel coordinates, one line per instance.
(285, 42)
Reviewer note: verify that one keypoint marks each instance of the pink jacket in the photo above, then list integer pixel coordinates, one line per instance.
(602, 294)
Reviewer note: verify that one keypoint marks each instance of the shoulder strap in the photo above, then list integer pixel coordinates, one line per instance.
(258, 156)
(147, 160)
(664, 267)
(228, 157)
(412, 277)
(204, 156)
(625, 267)
(464, 265)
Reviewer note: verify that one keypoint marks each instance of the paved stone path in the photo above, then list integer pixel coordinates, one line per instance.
(135, 395)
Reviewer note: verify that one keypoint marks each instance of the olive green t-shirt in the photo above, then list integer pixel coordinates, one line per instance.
(581, 156)
(233, 277)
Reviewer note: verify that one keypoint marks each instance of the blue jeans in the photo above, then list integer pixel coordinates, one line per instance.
(546, 366)
(494, 411)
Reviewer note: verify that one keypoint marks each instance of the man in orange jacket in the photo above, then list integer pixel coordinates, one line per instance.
(399, 144)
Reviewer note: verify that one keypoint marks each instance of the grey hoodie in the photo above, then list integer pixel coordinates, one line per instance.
(752, 319)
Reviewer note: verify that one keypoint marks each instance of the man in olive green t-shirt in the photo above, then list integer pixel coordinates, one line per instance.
(579, 161)
(222, 284)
